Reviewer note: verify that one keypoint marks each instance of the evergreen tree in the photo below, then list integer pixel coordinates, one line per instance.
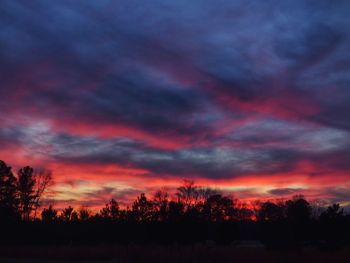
(142, 208)
(111, 210)
(49, 215)
(26, 191)
(8, 193)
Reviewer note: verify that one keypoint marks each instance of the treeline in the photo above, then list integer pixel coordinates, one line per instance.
(194, 214)
(20, 194)
(192, 205)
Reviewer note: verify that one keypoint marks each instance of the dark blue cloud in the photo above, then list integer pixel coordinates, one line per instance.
(178, 69)
(244, 48)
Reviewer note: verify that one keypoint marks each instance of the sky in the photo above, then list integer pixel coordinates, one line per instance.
(122, 97)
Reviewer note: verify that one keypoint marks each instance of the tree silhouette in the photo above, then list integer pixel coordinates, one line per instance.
(188, 193)
(49, 214)
(142, 209)
(271, 212)
(205, 192)
(161, 205)
(176, 211)
(242, 211)
(43, 179)
(84, 214)
(218, 208)
(27, 194)
(298, 210)
(198, 214)
(333, 223)
(68, 214)
(31, 185)
(333, 213)
(111, 210)
(8, 193)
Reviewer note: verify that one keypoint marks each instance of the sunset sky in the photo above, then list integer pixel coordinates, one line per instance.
(122, 97)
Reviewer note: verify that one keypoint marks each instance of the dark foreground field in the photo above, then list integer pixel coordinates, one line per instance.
(154, 253)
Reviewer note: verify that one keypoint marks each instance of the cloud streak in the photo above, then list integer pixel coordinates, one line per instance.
(171, 89)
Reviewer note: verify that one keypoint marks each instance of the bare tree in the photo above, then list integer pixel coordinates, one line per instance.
(31, 186)
(43, 180)
(188, 193)
(161, 204)
(204, 193)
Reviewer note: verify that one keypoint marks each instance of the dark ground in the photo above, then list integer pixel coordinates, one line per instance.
(248, 252)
